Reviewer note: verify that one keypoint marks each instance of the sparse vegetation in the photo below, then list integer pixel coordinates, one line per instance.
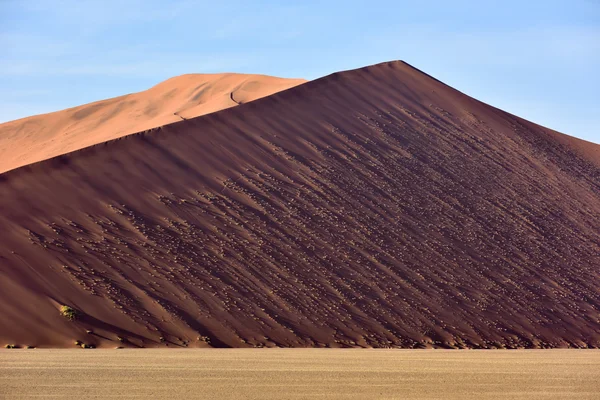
(69, 313)
(11, 346)
(205, 339)
(79, 343)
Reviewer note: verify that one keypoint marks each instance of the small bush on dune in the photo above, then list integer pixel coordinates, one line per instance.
(10, 346)
(79, 343)
(69, 313)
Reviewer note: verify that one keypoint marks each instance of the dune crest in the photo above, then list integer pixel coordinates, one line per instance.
(40, 137)
(376, 207)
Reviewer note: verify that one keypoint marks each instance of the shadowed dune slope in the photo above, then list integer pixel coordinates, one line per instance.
(40, 137)
(374, 207)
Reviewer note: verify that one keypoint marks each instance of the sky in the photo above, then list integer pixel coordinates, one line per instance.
(536, 59)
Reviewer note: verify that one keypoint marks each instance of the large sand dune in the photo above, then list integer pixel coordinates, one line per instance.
(40, 137)
(375, 207)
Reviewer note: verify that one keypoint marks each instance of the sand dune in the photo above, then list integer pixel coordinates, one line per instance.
(37, 138)
(374, 208)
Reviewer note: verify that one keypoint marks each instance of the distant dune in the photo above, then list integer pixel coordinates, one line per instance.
(38, 138)
(376, 207)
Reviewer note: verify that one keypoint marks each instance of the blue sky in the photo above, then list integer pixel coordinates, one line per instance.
(537, 59)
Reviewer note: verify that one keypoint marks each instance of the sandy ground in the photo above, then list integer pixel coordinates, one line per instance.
(300, 374)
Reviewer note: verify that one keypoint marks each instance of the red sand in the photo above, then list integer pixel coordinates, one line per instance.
(375, 207)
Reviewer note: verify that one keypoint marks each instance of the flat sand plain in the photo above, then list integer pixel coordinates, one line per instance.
(300, 374)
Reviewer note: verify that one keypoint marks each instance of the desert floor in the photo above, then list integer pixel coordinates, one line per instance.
(300, 374)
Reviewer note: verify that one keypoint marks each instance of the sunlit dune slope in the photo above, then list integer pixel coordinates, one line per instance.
(44, 136)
